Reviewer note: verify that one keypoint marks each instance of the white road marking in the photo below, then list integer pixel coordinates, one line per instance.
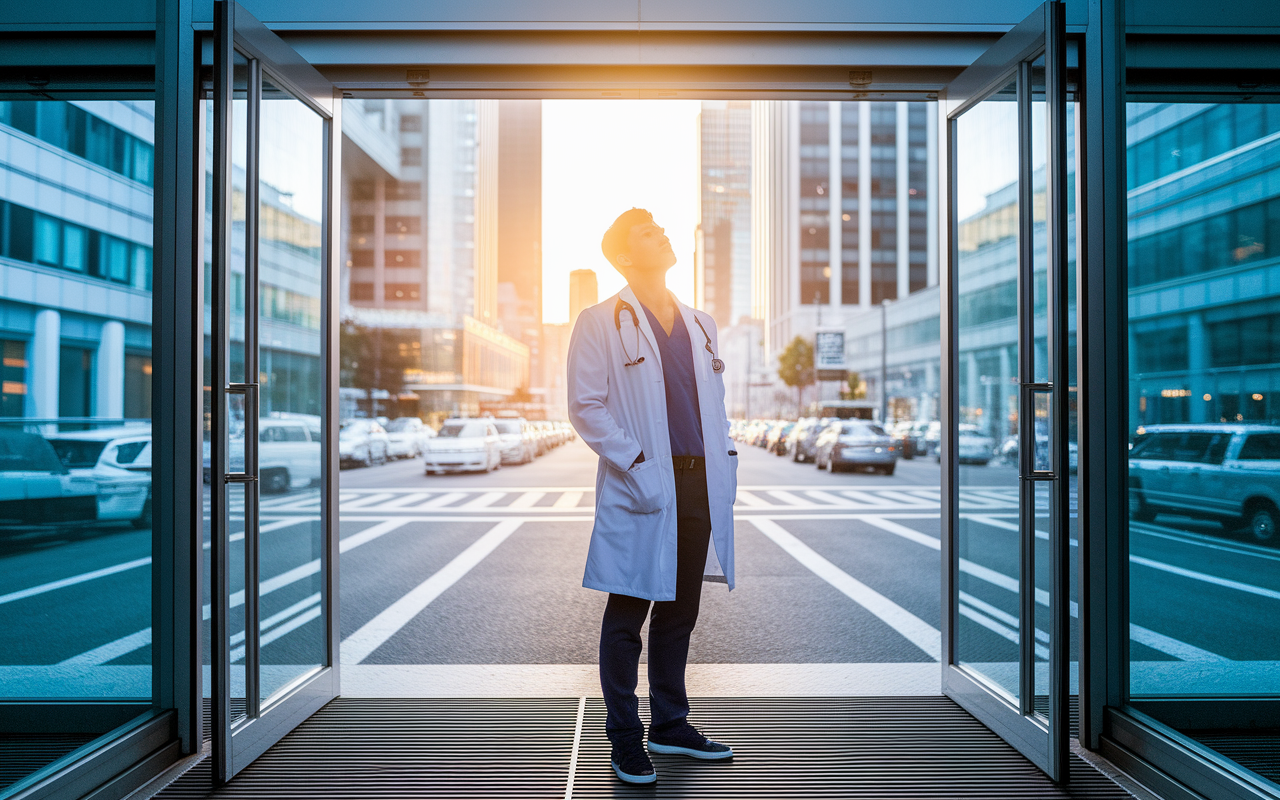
(366, 500)
(915, 630)
(568, 500)
(484, 501)
(110, 651)
(438, 501)
(526, 500)
(1201, 576)
(374, 633)
(828, 497)
(306, 610)
(789, 499)
(406, 499)
(73, 580)
(748, 499)
(1174, 647)
(270, 526)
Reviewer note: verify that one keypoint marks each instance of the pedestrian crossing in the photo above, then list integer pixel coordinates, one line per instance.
(581, 500)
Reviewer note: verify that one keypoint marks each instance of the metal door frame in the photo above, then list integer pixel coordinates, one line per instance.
(1043, 32)
(235, 746)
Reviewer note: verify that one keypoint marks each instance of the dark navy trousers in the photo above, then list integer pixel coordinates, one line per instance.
(670, 625)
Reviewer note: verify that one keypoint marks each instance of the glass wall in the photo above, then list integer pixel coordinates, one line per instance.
(1204, 416)
(76, 206)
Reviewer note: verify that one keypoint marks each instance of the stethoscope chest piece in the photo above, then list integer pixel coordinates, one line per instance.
(717, 366)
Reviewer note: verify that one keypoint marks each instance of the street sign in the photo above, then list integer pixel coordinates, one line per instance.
(828, 354)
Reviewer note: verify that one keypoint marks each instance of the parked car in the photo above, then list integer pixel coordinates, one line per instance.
(36, 490)
(118, 462)
(800, 440)
(908, 437)
(972, 446)
(407, 437)
(289, 452)
(518, 439)
(1224, 472)
(464, 445)
(362, 441)
(777, 441)
(856, 444)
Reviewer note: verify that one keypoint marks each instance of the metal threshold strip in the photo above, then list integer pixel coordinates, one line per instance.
(874, 747)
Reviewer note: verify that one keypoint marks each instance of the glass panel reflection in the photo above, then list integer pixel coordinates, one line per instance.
(290, 433)
(76, 211)
(987, 312)
(1204, 421)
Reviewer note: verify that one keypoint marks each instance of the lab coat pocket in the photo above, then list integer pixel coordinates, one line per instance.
(642, 487)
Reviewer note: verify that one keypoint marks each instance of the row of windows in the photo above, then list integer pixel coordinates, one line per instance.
(27, 235)
(289, 306)
(364, 223)
(73, 129)
(1214, 132)
(1232, 343)
(391, 258)
(394, 190)
(1243, 234)
(391, 291)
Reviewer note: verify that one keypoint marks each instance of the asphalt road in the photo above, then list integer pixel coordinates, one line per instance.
(486, 569)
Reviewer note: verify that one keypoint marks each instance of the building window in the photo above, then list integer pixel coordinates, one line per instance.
(404, 225)
(410, 123)
(403, 258)
(362, 258)
(404, 190)
(362, 291)
(51, 242)
(402, 291)
(362, 190)
(13, 378)
(75, 130)
(362, 223)
(75, 382)
(410, 156)
(137, 386)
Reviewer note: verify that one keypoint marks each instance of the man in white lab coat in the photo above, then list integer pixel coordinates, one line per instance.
(646, 392)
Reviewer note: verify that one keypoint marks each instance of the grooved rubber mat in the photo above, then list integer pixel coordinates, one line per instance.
(917, 747)
(1256, 750)
(23, 753)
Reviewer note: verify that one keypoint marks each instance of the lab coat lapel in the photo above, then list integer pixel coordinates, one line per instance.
(629, 296)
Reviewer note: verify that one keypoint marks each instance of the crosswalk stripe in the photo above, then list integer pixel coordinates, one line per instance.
(485, 500)
(789, 499)
(406, 499)
(903, 498)
(867, 499)
(749, 499)
(568, 500)
(367, 500)
(828, 497)
(438, 501)
(527, 499)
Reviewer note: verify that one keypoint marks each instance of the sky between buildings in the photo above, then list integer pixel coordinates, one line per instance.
(599, 158)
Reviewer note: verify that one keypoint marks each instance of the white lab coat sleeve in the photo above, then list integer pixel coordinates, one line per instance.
(588, 385)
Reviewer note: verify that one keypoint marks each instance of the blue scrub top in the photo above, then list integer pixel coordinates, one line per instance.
(684, 418)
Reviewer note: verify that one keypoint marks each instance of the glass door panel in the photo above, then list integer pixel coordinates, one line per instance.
(986, 280)
(269, 353)
(1007, 565)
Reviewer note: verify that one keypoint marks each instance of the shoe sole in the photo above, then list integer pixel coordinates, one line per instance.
(627, 777)
(670, 749)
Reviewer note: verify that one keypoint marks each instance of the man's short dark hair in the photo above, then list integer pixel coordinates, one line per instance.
(614, 242)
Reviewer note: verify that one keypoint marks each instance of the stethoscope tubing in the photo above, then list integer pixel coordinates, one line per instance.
(717, 365)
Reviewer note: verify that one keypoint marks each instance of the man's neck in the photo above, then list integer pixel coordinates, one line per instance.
(653, 293)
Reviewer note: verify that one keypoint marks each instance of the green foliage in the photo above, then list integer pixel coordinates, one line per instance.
(795, 364)
(371, 358)
(855, 390)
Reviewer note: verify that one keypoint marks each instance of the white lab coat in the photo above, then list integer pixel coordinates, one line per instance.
(619, 411)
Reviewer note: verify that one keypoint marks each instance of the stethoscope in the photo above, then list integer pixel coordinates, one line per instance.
(717, 366)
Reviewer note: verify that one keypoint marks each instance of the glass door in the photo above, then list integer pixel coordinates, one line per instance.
(271, 402)
(1006, 451)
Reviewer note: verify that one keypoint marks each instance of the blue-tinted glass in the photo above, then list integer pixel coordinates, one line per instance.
(48, 241)
(1204, 383)
(75, 243)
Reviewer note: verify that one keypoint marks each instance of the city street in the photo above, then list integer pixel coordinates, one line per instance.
(486, 569)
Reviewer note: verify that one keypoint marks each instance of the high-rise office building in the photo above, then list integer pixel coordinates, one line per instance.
(722, 263)
(843, 212)
(519, 204)
(584, 292)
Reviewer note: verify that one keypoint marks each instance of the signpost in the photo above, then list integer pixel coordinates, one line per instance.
(828, 354)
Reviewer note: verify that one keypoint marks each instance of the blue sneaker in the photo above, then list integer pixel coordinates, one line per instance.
(631, 763)
(684, 740)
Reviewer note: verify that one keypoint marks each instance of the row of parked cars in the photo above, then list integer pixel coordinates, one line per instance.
(482, 444)
(831, 444)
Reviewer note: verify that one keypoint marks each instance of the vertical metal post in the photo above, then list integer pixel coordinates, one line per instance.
(329, 294)
(1026, 410)
(1103, 374)
(1060, 502)
(884, 362)
(252, 398)
(219, 343)
(948, 372)
(176, 395)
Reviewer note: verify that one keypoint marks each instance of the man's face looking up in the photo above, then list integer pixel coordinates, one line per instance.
(649, 249)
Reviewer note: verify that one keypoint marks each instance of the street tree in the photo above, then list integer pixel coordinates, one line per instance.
(795, 367)
(855, 390)
(371, 358)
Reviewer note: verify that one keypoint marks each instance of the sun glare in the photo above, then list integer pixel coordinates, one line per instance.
(599, 158)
